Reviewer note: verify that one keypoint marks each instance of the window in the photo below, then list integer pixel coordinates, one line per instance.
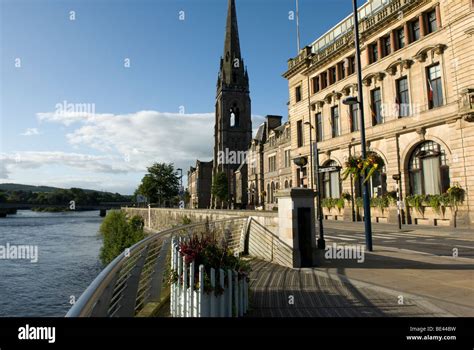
(342, 70)
(415, 30)
(428, 169)
(403, 98)
(332, 75)
(335, 121)
(315, 84)
(298, 93)
(376, 107)
(324, 80)
(319, 127)
(435, 86)
(400, 38)
(354, 117)
(431, 22)
(373, 53)
(331, 181)
(386, 46)
(234, 116)
(272, 163)
(299, 133)
(287, 158)
(352, 65)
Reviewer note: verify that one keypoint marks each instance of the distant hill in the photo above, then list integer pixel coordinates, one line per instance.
(20, 187)
(32, 188)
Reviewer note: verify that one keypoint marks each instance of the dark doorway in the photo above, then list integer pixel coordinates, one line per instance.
(304, 231)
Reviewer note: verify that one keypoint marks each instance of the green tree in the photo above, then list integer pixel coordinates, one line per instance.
(161, 183)
(220, 189)
(118, 233)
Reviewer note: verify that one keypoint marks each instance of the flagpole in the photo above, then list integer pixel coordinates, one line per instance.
(297, 27)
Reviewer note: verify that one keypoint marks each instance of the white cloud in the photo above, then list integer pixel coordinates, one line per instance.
(144, 137)
(34, 160)
(30, 132)
(121, 144)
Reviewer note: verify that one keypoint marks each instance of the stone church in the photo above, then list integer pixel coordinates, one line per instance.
(233, 124)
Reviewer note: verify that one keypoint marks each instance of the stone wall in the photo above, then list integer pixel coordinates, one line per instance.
(164, 218)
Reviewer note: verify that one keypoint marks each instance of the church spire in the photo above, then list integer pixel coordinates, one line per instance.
(232, 44)
(232, 71)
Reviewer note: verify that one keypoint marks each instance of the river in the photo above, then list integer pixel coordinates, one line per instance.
(68, 249)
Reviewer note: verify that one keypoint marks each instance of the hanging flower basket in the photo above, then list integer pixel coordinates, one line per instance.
(356, 166)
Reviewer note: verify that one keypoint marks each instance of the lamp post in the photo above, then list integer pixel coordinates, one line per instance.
(301, 162)
(181, 192)
(360, 100)
(314, 149)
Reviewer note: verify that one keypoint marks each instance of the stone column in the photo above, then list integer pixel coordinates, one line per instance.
(393, 43)
(379, 49)
(406, 30)
(438, 16)
(422, 25)
(296, 227)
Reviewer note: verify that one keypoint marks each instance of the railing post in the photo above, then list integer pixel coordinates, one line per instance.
(236, 294)
(212, 296)
(129, 294)
(191, 290)
(185, 288)
(229, 300)
(179, 289)
(222, 296)
(202, 308)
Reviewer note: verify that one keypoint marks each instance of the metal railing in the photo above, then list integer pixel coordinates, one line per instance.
(137, 276)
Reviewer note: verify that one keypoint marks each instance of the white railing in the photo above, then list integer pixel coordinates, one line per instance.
(138, 276)
(227, 297)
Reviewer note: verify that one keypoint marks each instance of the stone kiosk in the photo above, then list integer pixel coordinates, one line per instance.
(296, 216)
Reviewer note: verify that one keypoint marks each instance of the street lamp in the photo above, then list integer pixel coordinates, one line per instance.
(360, 101)
(301, 162)
(314, 149)
(181, 192)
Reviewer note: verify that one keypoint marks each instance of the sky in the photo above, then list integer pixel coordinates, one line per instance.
(92, 92)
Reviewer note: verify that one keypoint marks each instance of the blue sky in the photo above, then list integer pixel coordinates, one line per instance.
(158, 109)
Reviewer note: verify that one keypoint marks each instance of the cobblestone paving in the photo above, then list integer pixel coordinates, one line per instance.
(272, 288)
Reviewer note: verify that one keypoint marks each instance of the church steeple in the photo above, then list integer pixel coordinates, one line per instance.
(232, 71)
(233, 123)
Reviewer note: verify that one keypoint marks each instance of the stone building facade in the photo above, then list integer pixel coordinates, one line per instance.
(418, 86)
(199, 185)
(268, 163)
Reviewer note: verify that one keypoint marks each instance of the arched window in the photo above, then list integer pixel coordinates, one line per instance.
(291, 183)
(428, 169)
(331, 181)
(234, 116)
(286, 183)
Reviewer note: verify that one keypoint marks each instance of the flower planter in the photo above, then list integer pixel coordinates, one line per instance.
(227, 297)
(428, 216)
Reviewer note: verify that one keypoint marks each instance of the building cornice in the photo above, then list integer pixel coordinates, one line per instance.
(340, 47)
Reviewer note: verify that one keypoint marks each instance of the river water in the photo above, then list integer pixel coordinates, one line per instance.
(68, 249)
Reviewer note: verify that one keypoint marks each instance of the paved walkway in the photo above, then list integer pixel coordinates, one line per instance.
(278, 291)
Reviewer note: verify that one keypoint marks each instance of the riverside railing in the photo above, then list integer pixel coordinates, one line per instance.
(137, 276)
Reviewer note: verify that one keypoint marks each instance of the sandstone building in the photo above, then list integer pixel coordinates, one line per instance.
(418, 81)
